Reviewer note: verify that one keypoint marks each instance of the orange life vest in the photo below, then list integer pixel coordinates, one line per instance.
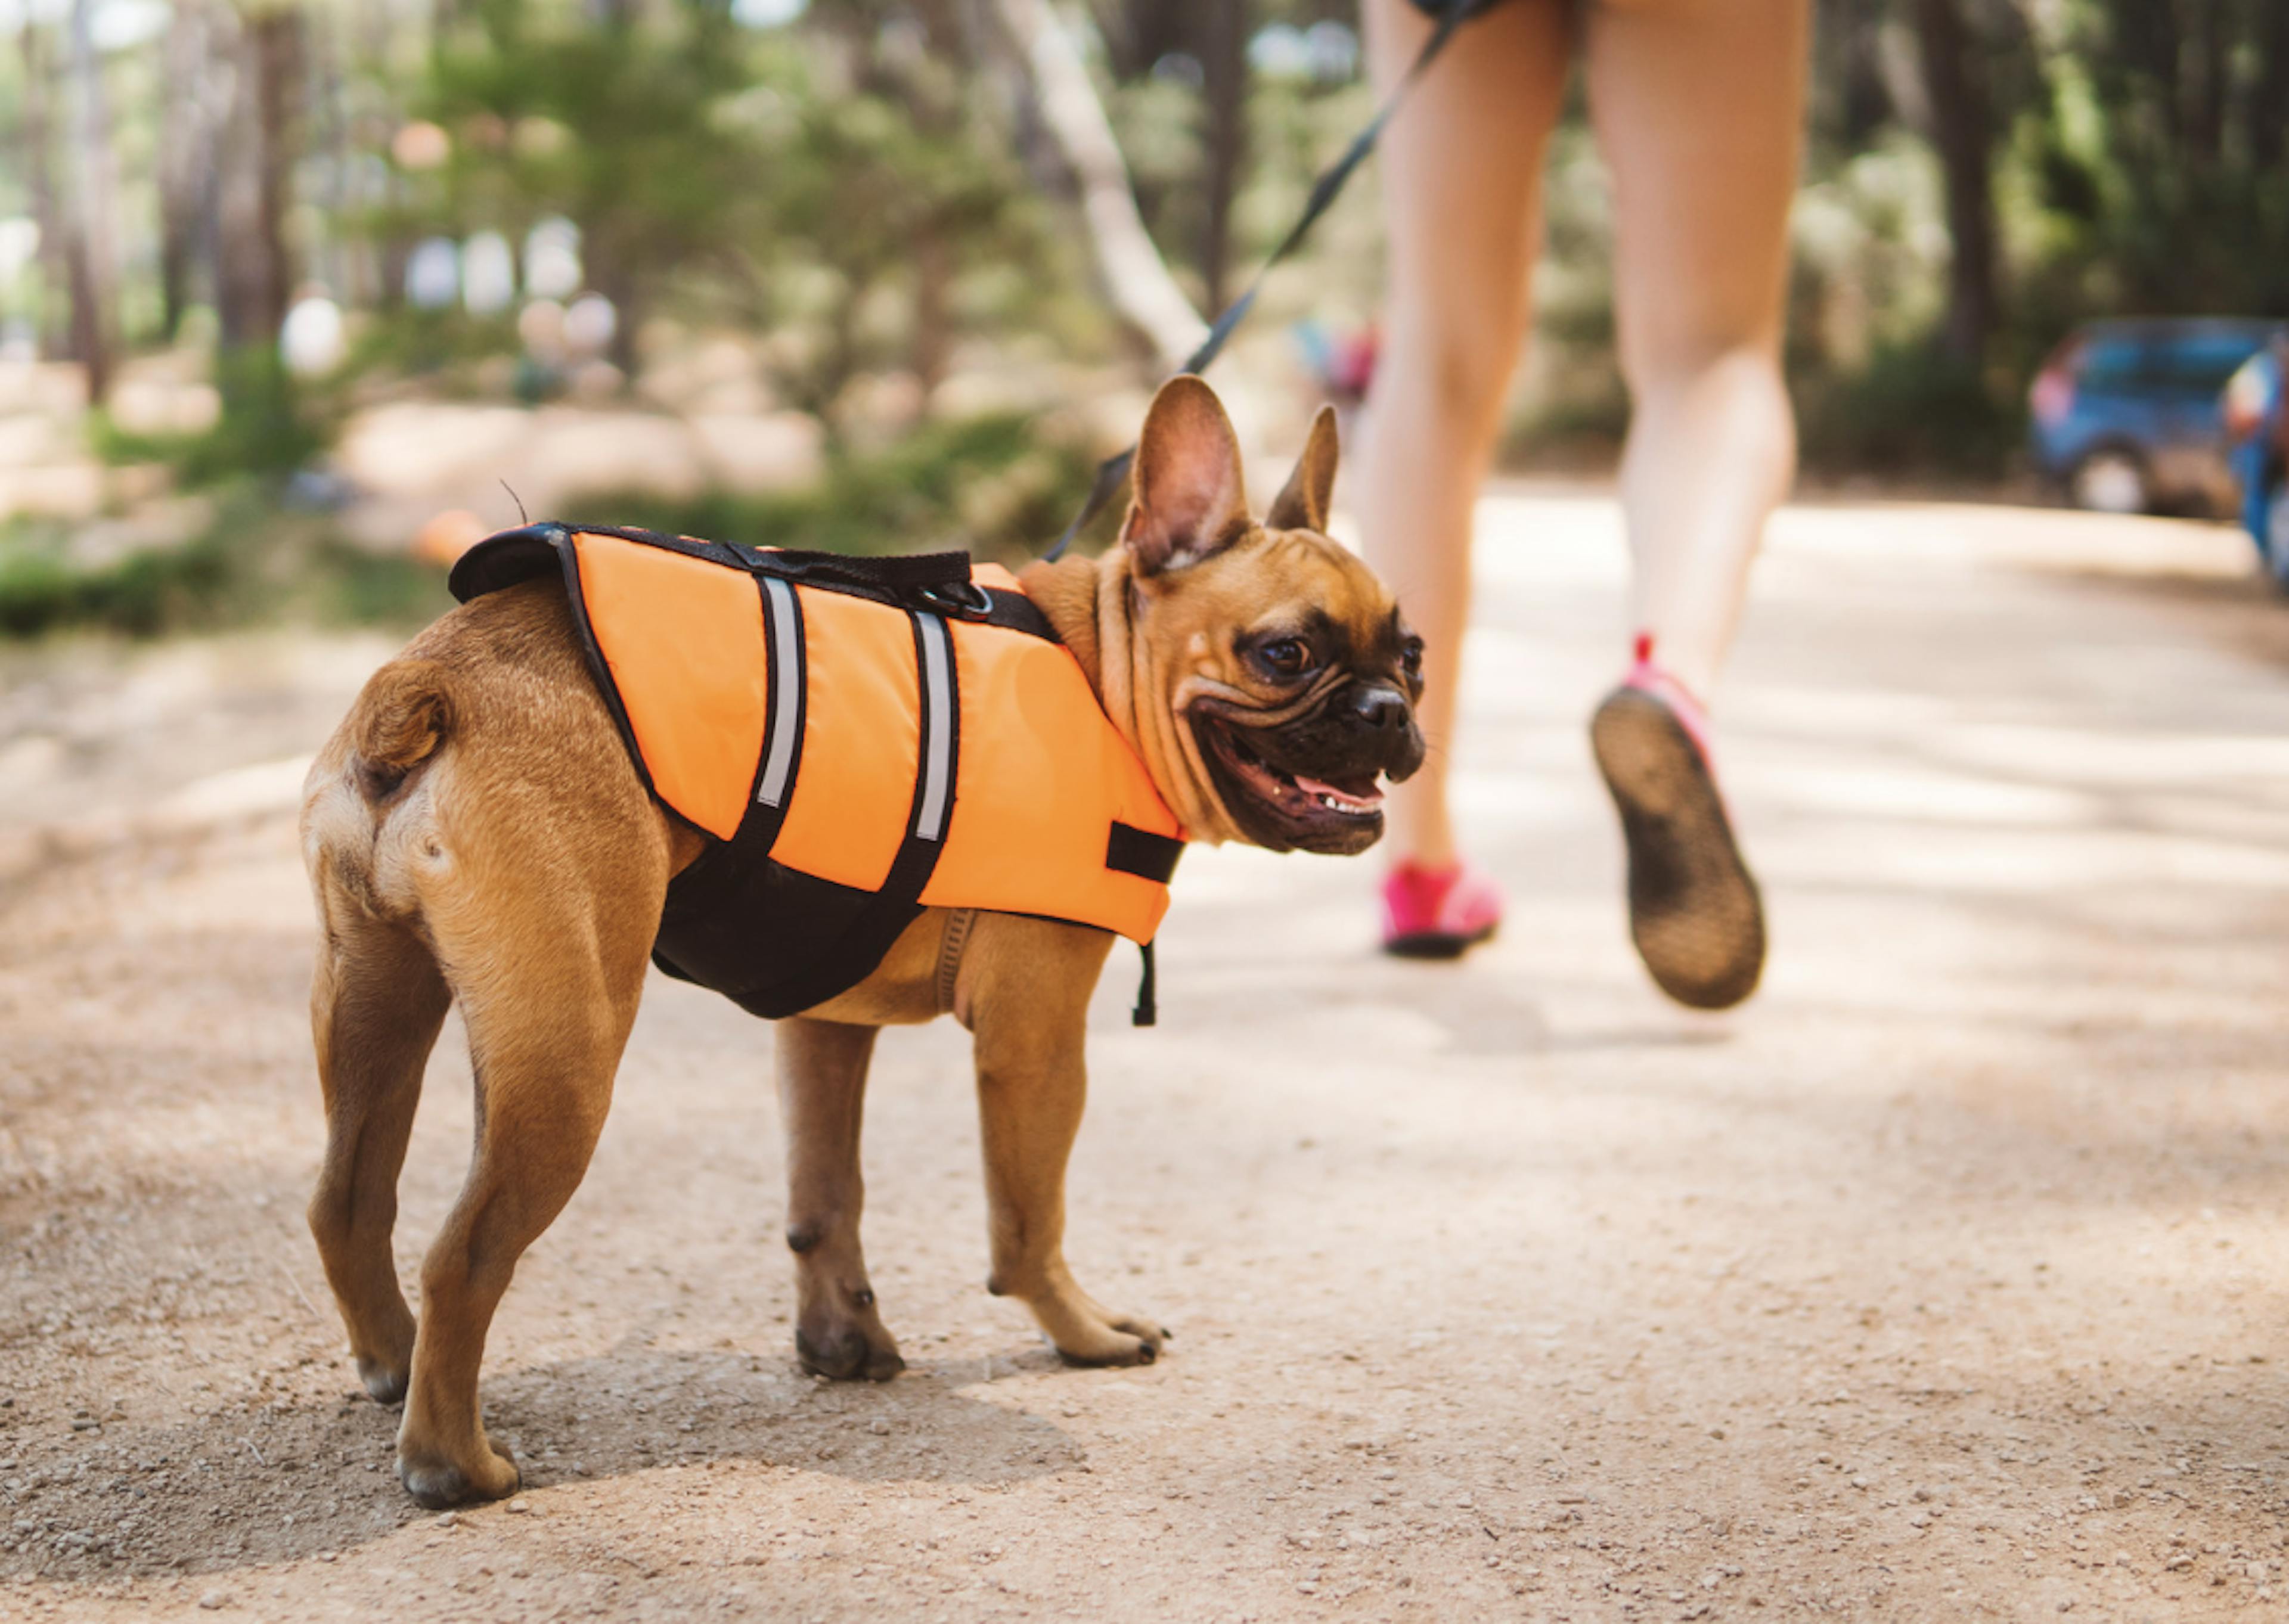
(860, 738)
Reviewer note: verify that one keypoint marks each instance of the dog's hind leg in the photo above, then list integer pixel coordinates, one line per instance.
(376, 1003)
(822, 1071)
(548, 972)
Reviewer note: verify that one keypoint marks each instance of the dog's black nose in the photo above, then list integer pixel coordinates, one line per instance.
(1379, 707)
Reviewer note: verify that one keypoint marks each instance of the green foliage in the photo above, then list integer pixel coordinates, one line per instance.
(841, 184)
(994, 485)
(251, 565)
(268, 428)
(41, 590)
(614, 126)
(1906, 410)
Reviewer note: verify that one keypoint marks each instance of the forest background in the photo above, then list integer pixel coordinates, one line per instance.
(820, 273)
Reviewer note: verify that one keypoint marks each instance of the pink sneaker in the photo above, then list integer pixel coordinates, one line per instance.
(1436, 914)
(1694, 913)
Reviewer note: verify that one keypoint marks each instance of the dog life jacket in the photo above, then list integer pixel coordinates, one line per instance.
(859, 739)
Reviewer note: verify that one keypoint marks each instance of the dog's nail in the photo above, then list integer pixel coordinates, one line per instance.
(1146, 1353)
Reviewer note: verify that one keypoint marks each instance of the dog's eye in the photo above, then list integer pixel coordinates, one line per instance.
(1411, 657)
(1286, 657)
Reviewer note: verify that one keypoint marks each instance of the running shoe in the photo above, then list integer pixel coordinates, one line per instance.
(1694, 913)
(1437, 913)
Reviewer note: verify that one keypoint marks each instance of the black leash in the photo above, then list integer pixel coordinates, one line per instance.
(1113, 470)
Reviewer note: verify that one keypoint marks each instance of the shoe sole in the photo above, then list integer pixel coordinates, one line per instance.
(1694, 913)
(1435, 944)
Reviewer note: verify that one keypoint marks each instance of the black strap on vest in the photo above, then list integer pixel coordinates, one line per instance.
(1131, 851)
(1452, 14)
(1147, 1012)
(926, 583)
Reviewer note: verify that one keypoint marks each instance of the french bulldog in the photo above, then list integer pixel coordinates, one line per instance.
(476, 832)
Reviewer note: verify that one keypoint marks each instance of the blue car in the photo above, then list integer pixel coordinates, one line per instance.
(2258, 426)
(2126, 416)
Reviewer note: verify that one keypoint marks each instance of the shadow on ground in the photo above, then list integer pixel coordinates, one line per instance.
(314, 1477)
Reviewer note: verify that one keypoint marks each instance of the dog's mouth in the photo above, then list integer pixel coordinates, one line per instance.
(1286, 808)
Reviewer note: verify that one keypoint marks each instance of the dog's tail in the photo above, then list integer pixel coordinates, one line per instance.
(403, 719)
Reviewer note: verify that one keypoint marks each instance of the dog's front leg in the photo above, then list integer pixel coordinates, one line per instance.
(838, 1331)
(1029, 1008)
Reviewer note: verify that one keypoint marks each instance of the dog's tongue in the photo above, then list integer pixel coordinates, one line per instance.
(1367, 802)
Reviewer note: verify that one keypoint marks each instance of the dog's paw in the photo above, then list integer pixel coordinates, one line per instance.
(849, 1353)
(387, 1385)
(1121, 1340)
(438, 1484)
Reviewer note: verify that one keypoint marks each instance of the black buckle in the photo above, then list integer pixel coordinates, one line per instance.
(964, 600)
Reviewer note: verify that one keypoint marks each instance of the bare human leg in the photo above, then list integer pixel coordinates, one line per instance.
(1699, 107)
(1462, 179)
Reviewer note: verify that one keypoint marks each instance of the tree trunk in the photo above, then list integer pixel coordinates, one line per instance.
(936, 108)
(2268, 117)
(1223, 58)
(1139, 33)
(186, 157)
(1864, 103)
(254, 270)
(55, 277)
(2149, 37)
(1962, 118)
(932, 348)
(2211, 84)
(609, 275)
(1139, 278)
(90, 252)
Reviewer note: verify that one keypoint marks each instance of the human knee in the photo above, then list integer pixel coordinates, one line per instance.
(1688, 362)
(1451, 355)
(1739, 386)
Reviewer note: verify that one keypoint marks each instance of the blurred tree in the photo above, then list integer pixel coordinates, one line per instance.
(895, 187)
(194, 105)
(1962, 128)
(90, 256)
(609, 116)
(1224, 61)
(2183, 138)
(830, 182)
(1056, 80)
(862, 186)
(1200, 46)
(257, 151)
(36, 142)
(260, 146)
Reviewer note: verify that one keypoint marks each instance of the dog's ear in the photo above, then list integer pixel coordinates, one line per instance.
(1189, 501)
(1301, 504)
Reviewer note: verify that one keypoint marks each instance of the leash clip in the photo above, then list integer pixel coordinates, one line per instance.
(963, 600)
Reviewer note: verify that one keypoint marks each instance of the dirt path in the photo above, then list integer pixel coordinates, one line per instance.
(1946, 1281)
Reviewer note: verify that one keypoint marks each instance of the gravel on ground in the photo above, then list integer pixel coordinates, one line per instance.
(1944, 1281)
